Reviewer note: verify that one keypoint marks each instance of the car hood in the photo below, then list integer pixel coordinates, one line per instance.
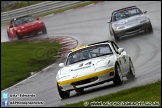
(85, 67)
(29, 24)
(130, 21)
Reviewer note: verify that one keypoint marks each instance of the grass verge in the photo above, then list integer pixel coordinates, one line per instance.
(149, 94)
(20, 58)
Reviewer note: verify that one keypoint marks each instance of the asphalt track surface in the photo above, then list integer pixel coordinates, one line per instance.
(88, 25)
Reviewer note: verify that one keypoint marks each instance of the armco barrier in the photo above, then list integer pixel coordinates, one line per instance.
(37, 8)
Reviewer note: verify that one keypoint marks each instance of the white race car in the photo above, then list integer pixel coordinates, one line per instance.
(93, 64)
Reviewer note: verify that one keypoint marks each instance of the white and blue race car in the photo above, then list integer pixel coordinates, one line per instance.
(93, 64)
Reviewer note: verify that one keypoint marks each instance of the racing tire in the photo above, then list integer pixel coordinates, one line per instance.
(19, 37)
(63, 94)
(131, 73)
(150, 29)
(118, 79)
(116, 37)
(9, 37)
(44, 31)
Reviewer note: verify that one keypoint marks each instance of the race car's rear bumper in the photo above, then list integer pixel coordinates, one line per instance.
(91, 80)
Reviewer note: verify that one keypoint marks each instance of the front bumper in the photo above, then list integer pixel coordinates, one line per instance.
(31, 30)
(133, 29)
(88, 80)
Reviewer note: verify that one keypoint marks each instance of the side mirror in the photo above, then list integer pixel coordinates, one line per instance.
(145, 12)
(120, 50)
(37, 18)
(61, 65)
(108, 21)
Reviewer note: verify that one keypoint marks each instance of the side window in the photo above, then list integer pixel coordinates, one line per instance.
(115, 47)
(94, 52)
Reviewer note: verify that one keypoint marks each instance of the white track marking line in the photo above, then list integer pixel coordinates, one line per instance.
(89, 5)
(69, 10)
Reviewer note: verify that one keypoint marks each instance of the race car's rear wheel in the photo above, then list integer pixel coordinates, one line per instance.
(63, 94)
(118, 79)
(131, 73)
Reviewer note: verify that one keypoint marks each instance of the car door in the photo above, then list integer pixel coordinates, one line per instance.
(119, 57)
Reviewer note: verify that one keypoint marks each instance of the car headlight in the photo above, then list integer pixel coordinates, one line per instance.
(64, 77)
(110, 63)
(143, 21)
(101, 63)
(121, 27)
(60, 77)
(57, 77)
(101, 68)
(63, 72)
(18, 30)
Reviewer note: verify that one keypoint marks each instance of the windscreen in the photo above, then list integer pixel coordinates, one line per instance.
(126, 13)
(88, 53)
(24, 20)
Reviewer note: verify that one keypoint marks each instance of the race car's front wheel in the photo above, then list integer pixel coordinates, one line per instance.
(63, 94)
(18, 36)
(118, 79)
(45, 31)
(150, 28)
(131, 73)
(9, 37)
(115, 36)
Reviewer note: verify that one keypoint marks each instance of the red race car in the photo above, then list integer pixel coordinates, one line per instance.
(25, 26)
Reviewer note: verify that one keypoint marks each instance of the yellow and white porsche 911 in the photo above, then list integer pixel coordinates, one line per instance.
(93, 64)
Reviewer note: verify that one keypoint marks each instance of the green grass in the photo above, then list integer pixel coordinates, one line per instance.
(20, 58)
(147, 93)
